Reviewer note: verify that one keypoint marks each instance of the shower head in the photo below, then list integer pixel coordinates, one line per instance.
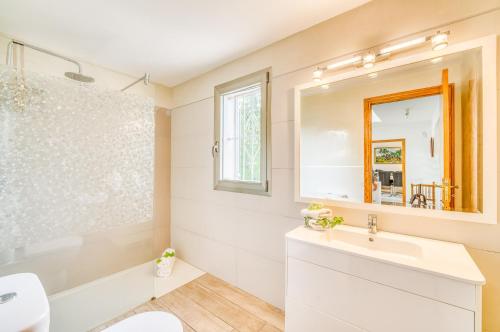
(74, 76)
(79, 77)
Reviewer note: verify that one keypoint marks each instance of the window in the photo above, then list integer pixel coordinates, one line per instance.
(241, 149)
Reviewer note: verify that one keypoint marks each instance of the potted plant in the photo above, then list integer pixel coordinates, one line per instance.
(165, 263)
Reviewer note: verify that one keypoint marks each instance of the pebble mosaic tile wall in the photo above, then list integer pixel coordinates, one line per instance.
(74, 158)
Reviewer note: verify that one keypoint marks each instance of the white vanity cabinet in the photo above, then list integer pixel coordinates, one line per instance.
(395, 283)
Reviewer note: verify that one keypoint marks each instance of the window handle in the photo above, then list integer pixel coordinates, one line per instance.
(215, 148)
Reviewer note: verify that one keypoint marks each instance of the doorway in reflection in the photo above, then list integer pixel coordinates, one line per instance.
(407, 145)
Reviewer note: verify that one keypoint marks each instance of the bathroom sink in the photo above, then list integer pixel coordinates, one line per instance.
(437, 257)
(333, 276)
(380, 243)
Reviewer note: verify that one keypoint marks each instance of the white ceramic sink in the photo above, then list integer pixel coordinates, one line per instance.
(382, 244)
(437, 257)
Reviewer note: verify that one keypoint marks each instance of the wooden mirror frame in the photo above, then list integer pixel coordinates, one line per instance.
(488, 46)
(449, 130)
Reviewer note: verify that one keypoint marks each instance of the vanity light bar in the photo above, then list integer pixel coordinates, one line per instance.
(406, 44)
(344, 63)
(439, 41)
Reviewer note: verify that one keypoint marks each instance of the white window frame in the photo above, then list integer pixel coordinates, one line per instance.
(263, 187)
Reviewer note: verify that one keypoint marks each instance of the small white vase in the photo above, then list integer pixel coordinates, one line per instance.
(164, 267)
(329, 234)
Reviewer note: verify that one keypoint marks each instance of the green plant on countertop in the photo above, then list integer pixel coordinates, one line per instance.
(307, 219)
(168, 253)
(329, 222)
(315, 206)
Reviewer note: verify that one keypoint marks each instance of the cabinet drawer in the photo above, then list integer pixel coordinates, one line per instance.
(369, 305)
(302, 318)
(432, 286)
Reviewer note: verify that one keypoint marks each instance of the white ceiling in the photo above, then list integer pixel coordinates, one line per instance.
(174, 40)
(424, 109)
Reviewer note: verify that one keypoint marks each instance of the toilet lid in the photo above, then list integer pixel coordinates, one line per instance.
(151, 321)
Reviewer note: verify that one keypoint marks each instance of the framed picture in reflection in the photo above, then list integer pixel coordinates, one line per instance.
(388, 155)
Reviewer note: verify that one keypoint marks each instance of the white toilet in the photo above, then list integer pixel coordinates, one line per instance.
(24, 307)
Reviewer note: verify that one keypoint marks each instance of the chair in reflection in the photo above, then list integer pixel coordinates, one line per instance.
(424, 193)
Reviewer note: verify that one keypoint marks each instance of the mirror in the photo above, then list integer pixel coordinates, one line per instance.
(409, 135)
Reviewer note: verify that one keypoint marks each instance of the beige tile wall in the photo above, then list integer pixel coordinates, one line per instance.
(161, 221)
(240, 237)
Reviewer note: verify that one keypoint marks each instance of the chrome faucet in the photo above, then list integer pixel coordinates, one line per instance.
(372, 223)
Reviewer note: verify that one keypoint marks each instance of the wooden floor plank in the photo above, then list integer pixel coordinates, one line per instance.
(232, 314)
(200, 319)
(209, 304)
(272, 315)
(186, 327)
(270, 328)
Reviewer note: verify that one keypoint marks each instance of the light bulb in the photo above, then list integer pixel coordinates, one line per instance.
(318, 73)
(437, 60)
(369, 57)
(325, 86)
(316, 79)
(439, 41)
(372, 75)
(369, 60)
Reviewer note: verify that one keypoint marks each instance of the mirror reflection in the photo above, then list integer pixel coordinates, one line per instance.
(408, 136)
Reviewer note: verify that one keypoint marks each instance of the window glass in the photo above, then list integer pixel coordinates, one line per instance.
(241, 143)
(241, 147)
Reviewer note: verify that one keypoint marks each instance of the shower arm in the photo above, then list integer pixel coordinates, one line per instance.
(10, 51)
(144, 78)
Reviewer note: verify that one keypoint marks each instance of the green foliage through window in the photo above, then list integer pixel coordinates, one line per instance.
(248, 108)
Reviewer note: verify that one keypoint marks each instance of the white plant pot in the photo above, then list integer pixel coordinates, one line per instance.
(164, 267)
(329, 234)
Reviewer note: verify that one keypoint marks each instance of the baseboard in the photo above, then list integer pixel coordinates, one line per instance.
(92, 304)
